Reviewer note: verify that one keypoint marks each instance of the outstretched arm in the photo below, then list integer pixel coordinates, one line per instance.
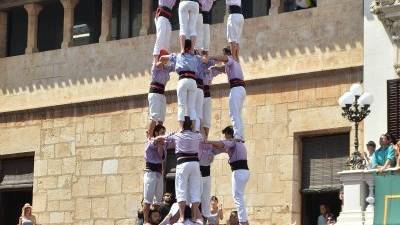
(216, 70)
(164, 59)
(216, 144)
(221, 58)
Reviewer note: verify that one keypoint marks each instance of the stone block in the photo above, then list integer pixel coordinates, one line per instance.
(102, 152)
(91, 167)
(53, 206)
(88, 124)
(110, 166)
(68, 165)
(95, 138)
(97, 185)
(52, 136)
(54, 166)
(62, 150)
(47, 182)
(128, 165)
(67, 205)
(59, 194)
(130, 183)
(83, 208)
(265, 114)
(64, 181)
(39, 200)
(47, 152)
(110, 138)
(67, 134)
(81, 187)
(127, 136)
(120, 122)
(61, 122)
(102, 124)
(104, 222)
(115, 204)
(114, 184)
(100, 207)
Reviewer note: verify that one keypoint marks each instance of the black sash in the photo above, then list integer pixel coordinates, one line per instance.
(235, 9)
(186, 157)
(207, 92)
(157, 88)
(206, 17)
(199, 83)
(236, 83)
(187, 74)
(205, 171)
(165, 12)
(239, 165)
(155, 167)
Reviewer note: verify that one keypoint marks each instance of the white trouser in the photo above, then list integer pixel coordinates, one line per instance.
(186, 92)
(206, 196)
(236, 99)
(234, 27)
(203, 34)
(188, 182)
(207, 112)
(199, 108)
(188, 12)
(153, 187)
(157, 106)
(163, 32)
(239, 181)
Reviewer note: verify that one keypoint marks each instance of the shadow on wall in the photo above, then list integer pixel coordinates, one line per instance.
(266, 41)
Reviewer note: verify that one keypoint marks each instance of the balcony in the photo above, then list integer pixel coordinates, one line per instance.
(359, 197)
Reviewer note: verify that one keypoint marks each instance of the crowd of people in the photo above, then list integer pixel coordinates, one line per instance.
(194, 151)
(386, 156)
(168, 212)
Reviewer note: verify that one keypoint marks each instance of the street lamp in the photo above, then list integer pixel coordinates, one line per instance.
(355, 105)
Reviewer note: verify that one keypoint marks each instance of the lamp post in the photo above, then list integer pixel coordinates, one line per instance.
(355, 105)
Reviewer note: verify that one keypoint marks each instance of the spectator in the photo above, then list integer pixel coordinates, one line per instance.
(384, 157)
(305, 4)
(140, 215)
(154, 216)
(397, 150)
(172, 216)
(166, 205)
(371, 146)
(217, 213)
(330, 220)
(322, 211)
(27, 218)
(233, 219)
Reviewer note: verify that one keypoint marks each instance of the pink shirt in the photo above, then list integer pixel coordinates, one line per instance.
(206, 5)
(168, 3)
(206, 155)
(234, 2)
(233, 69)
(186, 142)
(236, 150)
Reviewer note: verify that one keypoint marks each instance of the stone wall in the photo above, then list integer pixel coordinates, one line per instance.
(89, 156)
(327, 37)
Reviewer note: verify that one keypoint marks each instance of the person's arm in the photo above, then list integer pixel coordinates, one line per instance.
(374, 163)
(159, 65)
(389, 159)
(221, 212)
(220, 58)
(216, 144)
(216, 70)
(20, 221)
(34, 220)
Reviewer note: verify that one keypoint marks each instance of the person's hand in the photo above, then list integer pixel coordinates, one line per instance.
(381, 169)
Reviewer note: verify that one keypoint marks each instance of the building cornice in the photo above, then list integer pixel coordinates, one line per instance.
(388, 11)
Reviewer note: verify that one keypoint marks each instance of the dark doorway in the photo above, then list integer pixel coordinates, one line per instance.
(11, 203)
(322, 158)
(312, 201)
(87, 24)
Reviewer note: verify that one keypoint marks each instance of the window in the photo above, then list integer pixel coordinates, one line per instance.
(126, 19)
(322, 158)
(393, 107)
(17, 31)
(87, 24)
(16, 181)
(50, 26)
(293, 5)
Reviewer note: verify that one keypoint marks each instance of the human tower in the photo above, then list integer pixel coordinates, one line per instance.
(194, 151)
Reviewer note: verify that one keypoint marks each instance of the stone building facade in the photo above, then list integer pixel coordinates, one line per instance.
(81, 111)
